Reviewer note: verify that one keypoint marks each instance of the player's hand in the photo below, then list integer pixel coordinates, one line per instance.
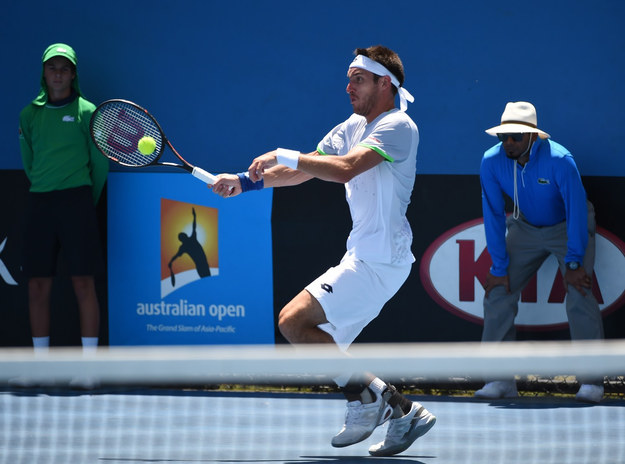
(260, 164)
(495, 281)
(227, 185)
(578, 279)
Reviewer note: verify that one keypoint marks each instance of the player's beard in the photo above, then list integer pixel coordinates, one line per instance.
(363, 105)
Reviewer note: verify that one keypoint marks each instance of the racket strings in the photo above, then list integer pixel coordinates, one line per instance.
(117, 127)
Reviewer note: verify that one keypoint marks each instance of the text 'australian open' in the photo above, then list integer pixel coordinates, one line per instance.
(186, 309)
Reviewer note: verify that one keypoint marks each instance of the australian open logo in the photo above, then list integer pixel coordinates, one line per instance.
(189, 244)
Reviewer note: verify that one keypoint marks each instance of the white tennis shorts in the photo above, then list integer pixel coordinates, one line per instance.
(353, 293)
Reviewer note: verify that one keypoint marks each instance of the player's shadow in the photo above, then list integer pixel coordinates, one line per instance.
(550, 403)
(358, 460)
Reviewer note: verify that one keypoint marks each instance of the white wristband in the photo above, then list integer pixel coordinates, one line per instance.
(288, 158)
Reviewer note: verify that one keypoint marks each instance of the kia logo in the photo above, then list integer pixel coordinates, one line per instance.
(455, 265)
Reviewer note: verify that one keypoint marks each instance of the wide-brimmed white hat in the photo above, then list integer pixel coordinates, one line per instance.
(518, 117)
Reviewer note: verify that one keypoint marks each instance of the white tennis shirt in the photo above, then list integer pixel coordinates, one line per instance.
(378, 198)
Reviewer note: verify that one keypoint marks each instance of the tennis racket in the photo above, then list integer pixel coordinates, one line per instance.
(116, 127)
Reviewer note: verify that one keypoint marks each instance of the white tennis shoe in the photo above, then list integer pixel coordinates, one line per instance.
(498, 389)
(403, 431)
(361, 420)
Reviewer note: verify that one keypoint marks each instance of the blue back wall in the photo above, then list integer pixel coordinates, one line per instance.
(229, 80)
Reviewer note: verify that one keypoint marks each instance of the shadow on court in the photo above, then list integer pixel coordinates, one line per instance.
(358, 459)
(552, 403)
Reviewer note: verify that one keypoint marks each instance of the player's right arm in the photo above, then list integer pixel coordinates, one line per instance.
(229, 185)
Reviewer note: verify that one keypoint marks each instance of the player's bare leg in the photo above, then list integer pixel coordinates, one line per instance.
(371, 401)
(299, 320)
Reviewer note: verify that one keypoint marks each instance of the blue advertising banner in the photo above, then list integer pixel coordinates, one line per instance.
(186, 266)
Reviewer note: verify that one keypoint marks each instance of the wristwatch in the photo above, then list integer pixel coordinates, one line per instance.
(572, 265)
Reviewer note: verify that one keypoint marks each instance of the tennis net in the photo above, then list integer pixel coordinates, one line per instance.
(276, 403)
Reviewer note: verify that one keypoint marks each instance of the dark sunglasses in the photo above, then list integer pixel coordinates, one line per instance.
(517, 137)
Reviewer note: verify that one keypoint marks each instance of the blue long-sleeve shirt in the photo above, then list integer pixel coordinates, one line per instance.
(549, 189)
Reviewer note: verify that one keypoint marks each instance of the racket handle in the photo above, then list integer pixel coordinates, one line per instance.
(204, 176)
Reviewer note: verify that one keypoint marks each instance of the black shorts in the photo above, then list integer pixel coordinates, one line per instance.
(65, 221)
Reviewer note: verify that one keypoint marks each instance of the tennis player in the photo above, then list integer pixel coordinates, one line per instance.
(67, 174)
(374, 154)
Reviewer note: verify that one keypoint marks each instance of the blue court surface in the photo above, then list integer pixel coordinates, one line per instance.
(132, 426)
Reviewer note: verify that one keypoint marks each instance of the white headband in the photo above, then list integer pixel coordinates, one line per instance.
(378, 69)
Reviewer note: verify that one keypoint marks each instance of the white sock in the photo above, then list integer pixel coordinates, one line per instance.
(89, 344)
(373, 391)
(377, 385)
(41, 344)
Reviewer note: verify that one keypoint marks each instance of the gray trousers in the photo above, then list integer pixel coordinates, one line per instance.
(528, 247)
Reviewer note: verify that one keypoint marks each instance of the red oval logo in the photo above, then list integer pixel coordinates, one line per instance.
(455, 265)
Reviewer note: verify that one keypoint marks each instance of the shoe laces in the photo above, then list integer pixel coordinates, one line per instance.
(358, 413)
(398, 427)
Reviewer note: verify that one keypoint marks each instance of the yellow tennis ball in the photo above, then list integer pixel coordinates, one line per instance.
(146, 145)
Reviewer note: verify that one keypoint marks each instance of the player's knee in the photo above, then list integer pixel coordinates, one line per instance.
(295, 326)
(299, 320)
(288, 325)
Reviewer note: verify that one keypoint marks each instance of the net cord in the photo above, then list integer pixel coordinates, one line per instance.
(313, 363)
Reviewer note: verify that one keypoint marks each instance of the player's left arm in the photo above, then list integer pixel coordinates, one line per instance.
(277, 175)
(331, 168)
(329, 163)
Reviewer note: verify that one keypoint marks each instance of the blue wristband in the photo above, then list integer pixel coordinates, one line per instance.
(247, 184)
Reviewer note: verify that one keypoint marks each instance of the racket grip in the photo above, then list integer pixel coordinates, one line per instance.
(204, 176)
